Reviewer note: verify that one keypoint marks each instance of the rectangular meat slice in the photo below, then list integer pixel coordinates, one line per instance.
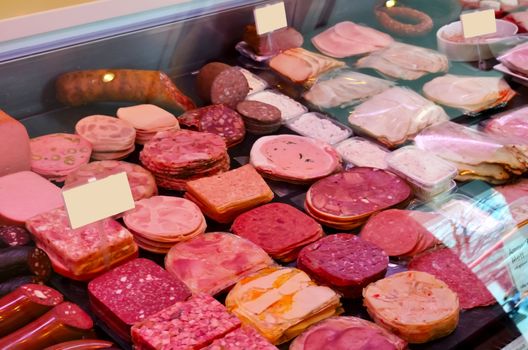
(243, 338)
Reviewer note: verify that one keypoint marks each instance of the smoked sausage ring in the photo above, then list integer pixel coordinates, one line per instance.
(386, 17)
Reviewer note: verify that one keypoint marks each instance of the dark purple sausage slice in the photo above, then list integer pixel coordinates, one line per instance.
(12, 236)
(16, 261)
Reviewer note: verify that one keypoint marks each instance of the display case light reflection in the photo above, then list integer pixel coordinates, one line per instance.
(108, 77)
(390, 3)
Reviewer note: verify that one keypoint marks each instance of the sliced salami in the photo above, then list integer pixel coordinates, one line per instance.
(446, 266)
(216, 119)
(220, 83)
(132, 292)
(266, 226)
(344, 262)
(213, 262)
(13, 236)
(23, 260)
(142, 183)
(190, 324)
(347, 199)
(243, 338)
(260, 118)
(293, 158)
(56, 155)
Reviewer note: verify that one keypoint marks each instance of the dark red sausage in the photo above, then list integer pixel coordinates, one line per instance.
(84, 344)
(219, 83)
(22, 260)
(12, 236)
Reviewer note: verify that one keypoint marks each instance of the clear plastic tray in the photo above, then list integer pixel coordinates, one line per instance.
(319, 126)
(256, 84)
(427, 173)
(426, 195)
(289, 107)
(357, 151)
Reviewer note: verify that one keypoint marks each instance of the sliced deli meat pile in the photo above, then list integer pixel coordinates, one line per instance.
(216, 119)
(346, 200)
(280, 229)
(404, 61)
(54, 156)
(401, 233)
(349, 39)
(191, 324)
(511, 124)
(132, 292)
(281, 302)
(468, 93)
(85, 252)
(213, 262)
(147, 119)
(178, 156)
(260, 118)
(302, 66)
(395, 116)
(413, 305)
(447, 267)
(159, 222)
(347, 333)
(111, 138)
(295, 159)
(344, 262)
(142, 182)
(223, 197)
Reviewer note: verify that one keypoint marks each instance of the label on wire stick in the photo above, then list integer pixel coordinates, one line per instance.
(98, 200)
(270, 17)
(478, 23)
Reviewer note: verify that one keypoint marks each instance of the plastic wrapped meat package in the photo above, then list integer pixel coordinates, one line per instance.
(357, 151)
(512, 124)
(468, 93)
(516, 59)
(395, 116)
(85, 252)
(319, 126)
(476, 155)
(288, 107)
(344, 87)
(281, 302)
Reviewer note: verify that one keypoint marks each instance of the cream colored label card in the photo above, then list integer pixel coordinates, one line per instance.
(478, 23)
(270, 17)
(98, 200)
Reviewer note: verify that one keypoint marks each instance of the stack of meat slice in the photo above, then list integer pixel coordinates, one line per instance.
(148, 120)
(178, 156)
(85, 252)
(395, 116)
(511, 124)
(349, 39)
(402, 233)
(216, 119)
(280, 229)
(404, 61)
(347, 332)
(132, 292)
(344, 262)
(414, 305)
(260, 118)
(468, 93)
(56, 155)
(111, 138)
(213, 262)
(302, 66)
(223, 197)
(159, 222)
(346, 200)
(447, 267)
(516, 59)
(142, 183)
(294, 159)
(281, 302)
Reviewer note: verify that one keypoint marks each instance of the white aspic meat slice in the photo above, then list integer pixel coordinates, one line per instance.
(396, 115)
(379, 63)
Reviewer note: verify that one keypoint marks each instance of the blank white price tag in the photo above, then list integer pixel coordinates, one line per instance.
(98, 200)
(478, 23)
(270, 17)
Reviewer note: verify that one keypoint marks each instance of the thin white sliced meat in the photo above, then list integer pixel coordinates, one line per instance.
(377, 62)
(353, 31)
(332, 44)
(416, 58)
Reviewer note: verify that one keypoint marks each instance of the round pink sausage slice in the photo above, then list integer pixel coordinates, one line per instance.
(105, 133)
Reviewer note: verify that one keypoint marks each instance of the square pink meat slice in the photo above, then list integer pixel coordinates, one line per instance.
(186, 325)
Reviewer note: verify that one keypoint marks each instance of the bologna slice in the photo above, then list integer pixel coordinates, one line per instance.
(142, 183)
(190, 324)
(416, 306)
(293, 158)
(280, 229)
(56, 155)
(84, 251)
(344, 262)
(132, 292)
(220, 83)
(446, 266)
(24, 195)
(213, 262)
(347, 333)
(216, 119)
(281, 302)
(347, 199)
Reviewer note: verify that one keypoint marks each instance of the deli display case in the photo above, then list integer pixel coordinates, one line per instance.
(351, 178)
